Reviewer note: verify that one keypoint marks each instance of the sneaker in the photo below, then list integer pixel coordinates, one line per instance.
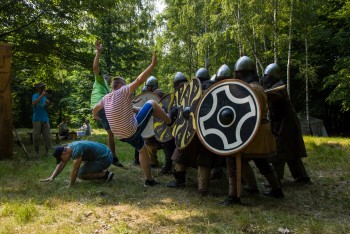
(109, 176)
(117, 164)
(151, 183)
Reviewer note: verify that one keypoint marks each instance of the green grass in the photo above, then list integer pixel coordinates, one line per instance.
(125, 206)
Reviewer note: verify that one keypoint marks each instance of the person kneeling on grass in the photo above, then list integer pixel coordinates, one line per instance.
(97, 158)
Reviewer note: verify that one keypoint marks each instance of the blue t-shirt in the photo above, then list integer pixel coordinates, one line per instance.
(39, 110)
(89, 150)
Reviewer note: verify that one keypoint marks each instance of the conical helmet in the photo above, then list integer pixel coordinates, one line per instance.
(179, 76)
(202, 74)
(245, 63)
(153, 82)
(224, 72)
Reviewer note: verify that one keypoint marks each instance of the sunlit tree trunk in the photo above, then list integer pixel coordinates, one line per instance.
(275, 44)
(308, 129)
(290, 44)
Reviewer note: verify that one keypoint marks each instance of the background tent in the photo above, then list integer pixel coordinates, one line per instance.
(317, 126)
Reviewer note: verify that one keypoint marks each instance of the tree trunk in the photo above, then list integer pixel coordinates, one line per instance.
(308, 129)
(290, 45)
(6, 136)
(275, 44)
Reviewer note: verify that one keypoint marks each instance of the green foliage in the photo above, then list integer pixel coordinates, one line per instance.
(53, 41)
(339, 83)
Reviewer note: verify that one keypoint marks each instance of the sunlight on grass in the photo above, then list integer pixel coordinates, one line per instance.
(125, 206)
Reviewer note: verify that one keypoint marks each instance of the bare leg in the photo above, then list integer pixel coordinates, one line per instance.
(145, 163)
(36, 136)
(111, 143)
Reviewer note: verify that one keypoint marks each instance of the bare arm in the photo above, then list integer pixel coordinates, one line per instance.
(56, 172)
(74, 172)
(136, 109)
(95, 66)
(143, 76)
(36, 101)
(95, 111)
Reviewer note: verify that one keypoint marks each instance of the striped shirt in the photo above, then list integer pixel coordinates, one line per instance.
(119, 112)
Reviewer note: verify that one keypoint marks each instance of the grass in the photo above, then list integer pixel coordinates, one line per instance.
(125, 206)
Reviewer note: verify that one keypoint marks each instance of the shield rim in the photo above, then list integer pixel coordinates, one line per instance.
(167, 127)
(194, 112)
(205, 94)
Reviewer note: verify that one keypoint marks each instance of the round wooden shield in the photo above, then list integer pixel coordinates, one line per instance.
(139, 101)
(163, 132)
(228, 116)
(185, 125)
(179, 92)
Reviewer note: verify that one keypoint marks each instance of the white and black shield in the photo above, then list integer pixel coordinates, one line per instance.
(228, 116)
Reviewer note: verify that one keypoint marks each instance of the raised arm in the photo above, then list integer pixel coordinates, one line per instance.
(36, 101)
(144, 75)
(95, 66)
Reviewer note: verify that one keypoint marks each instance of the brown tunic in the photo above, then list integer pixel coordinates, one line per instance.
(263, 144)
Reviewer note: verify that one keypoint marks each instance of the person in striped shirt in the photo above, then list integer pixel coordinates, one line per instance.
(128, 122)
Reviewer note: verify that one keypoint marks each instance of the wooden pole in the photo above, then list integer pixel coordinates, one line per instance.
(238, 174)
(6, 136)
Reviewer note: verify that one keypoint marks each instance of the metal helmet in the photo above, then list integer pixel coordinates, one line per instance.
(202, 74)
(224, 72)
(245, 63)
(272, 75)
(213, 78)
(179, 76)
(153, 82)
(144, 88)
(178, 79)
(245, 70)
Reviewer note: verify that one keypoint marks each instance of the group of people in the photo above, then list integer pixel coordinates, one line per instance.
(278, 140)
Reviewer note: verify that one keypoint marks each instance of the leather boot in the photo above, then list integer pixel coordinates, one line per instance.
(180, 180)
(276, 190)
(231, 200)
(203, 178)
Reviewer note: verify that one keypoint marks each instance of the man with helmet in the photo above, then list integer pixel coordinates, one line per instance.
(153, 145)
(179, 78)
(286, 127)
(262, 145)
(195, 155)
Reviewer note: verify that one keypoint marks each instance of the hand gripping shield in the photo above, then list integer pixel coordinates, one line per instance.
(228, 116)
(163, 132)
(185, 126)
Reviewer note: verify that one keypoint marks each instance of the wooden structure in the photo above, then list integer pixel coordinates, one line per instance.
(6, 136)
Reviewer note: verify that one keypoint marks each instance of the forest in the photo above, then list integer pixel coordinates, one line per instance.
(53, 42)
